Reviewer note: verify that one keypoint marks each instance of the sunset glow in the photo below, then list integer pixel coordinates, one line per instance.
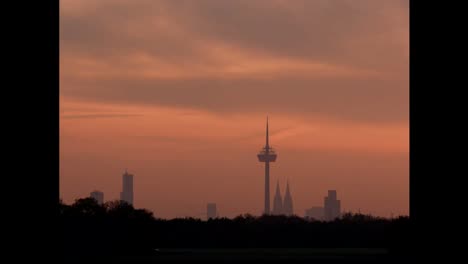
(178, 92)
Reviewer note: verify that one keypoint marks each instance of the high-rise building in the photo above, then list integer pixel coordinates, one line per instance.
(211, 211)
(288, 202)
(277, 202)
(267, 155)
(98, 196)
(127, 188)
(315, 212)
(332, 206)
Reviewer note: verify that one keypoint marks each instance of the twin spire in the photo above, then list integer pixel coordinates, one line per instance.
(280, 206)
(287, 189)
(288, 203)
(277, 201)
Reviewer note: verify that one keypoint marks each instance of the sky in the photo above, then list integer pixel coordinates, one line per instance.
(177, 92)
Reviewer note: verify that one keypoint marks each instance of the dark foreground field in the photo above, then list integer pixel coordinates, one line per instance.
(118, 233)
(261, 255)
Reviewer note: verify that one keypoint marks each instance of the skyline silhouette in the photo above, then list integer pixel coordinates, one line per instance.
(330, 211)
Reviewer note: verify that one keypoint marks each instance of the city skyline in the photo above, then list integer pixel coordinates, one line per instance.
(178, 91)
(330, 210)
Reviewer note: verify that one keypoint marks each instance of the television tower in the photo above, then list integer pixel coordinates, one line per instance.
(267, 155)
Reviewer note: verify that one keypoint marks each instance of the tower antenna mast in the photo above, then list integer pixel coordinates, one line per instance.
(267, 155)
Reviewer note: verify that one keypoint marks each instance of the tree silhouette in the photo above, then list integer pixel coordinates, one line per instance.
(88, 207)
(116, 228)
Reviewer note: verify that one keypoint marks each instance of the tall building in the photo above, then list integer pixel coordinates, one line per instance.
(98, 196)
(267, 155)
(315, 212)
(332, 206)
(127, 188)
(288, 203)
(277, 202)
(211, 211)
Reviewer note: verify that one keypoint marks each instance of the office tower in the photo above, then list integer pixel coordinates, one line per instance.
(98, 196)
(277, 202)
(127, 188)
(211, 211)
(267, 155)
(288, 203)
(315, 212)
(332, 206)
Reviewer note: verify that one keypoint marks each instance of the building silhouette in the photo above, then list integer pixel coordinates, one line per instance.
(288, 202)
(98, 196)
(211, 211)
(127, 188)
(277, 201)
(267, 155)
(315, 212)
(283, 206)
(332, 206)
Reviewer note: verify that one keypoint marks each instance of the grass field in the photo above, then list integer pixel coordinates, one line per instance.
(262, 255)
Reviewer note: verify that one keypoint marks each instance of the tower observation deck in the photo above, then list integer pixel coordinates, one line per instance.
(267, 155)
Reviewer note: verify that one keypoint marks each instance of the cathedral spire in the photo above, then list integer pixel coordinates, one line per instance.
(277, 202)
(288, 203)
(278, 192)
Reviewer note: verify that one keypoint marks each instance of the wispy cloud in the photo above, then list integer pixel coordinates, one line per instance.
(346, 59)
(69, 116)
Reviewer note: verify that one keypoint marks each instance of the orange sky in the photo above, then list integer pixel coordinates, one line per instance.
(178, 93)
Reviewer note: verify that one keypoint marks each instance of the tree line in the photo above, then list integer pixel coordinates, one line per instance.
(88, 228)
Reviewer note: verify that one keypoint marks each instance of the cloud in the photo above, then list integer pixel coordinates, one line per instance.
(347, 99)
(98, 116)
(347, 59)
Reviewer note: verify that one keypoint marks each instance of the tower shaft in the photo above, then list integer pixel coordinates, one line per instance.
(267, 155)
(267, 187)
